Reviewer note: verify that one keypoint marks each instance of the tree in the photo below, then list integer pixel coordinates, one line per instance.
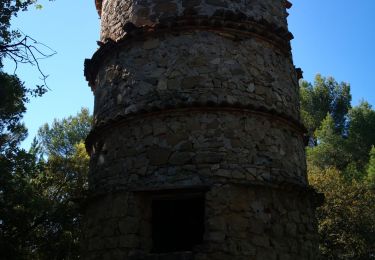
(371, 167)
(21, 203)
(16, 46)
(12, 106)
(64, 182)
(22, 206)
(339, 136)
(9, 9)
(40, 199)
(325, 96)
(351, 153)
(60, 138)
(14, 96)
(361, 134)
(330, 149)
(67, 160)
(346, 220)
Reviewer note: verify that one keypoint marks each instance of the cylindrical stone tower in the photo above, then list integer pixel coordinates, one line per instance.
(197, 151)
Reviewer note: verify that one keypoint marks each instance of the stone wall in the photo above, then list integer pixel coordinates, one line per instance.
(196, 68)
(257, 205)
(185, 147)
(241, 222)
(116, 13)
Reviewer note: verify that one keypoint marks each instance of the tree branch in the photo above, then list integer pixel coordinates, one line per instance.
(27, 51)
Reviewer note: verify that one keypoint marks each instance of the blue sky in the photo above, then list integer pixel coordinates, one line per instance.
(335, 38)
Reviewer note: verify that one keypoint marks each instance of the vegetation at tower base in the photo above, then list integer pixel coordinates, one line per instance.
(340, 165)
(371, 167)
(64, 182)
(16, 167)
(31, 219)
(42, 191)
(346, 219)
(20, 201)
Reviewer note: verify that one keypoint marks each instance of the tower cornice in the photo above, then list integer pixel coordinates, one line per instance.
(98, 4)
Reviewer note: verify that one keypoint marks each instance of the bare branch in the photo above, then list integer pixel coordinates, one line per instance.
(27, 51)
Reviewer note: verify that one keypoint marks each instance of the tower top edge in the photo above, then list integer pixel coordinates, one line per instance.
(98, 4)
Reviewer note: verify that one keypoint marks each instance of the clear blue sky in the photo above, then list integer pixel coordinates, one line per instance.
(335, 38)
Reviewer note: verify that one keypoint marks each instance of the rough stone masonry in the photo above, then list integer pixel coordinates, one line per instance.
(197, 149)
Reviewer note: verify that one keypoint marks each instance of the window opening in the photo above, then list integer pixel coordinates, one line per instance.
(177, 224)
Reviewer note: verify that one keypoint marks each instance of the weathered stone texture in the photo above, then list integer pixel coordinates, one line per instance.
(197, 148)
(116, 13)
(185, 104)
(196, 67)
(242, 222)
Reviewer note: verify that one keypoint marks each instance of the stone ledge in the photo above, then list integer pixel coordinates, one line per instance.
(301, 190)
(100, 127)
(172, 189)
(166, 256)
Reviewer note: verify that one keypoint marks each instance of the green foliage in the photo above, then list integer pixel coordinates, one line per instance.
(59, 139)
(67, 163)
(330, 150)
(341, 163)
(347, 218)
(325, 96)
(21, 203)
(64, 182)
(12, 106)
(343, 138)
(16, 46)
(14, 95)
(22, 206)
(8, 10)
(371, 167)
(40, 200)
(361, 134)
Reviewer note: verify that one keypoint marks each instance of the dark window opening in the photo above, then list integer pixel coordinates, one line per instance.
(177, 224)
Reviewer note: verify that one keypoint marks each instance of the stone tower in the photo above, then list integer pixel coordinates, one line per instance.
(197, 150)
